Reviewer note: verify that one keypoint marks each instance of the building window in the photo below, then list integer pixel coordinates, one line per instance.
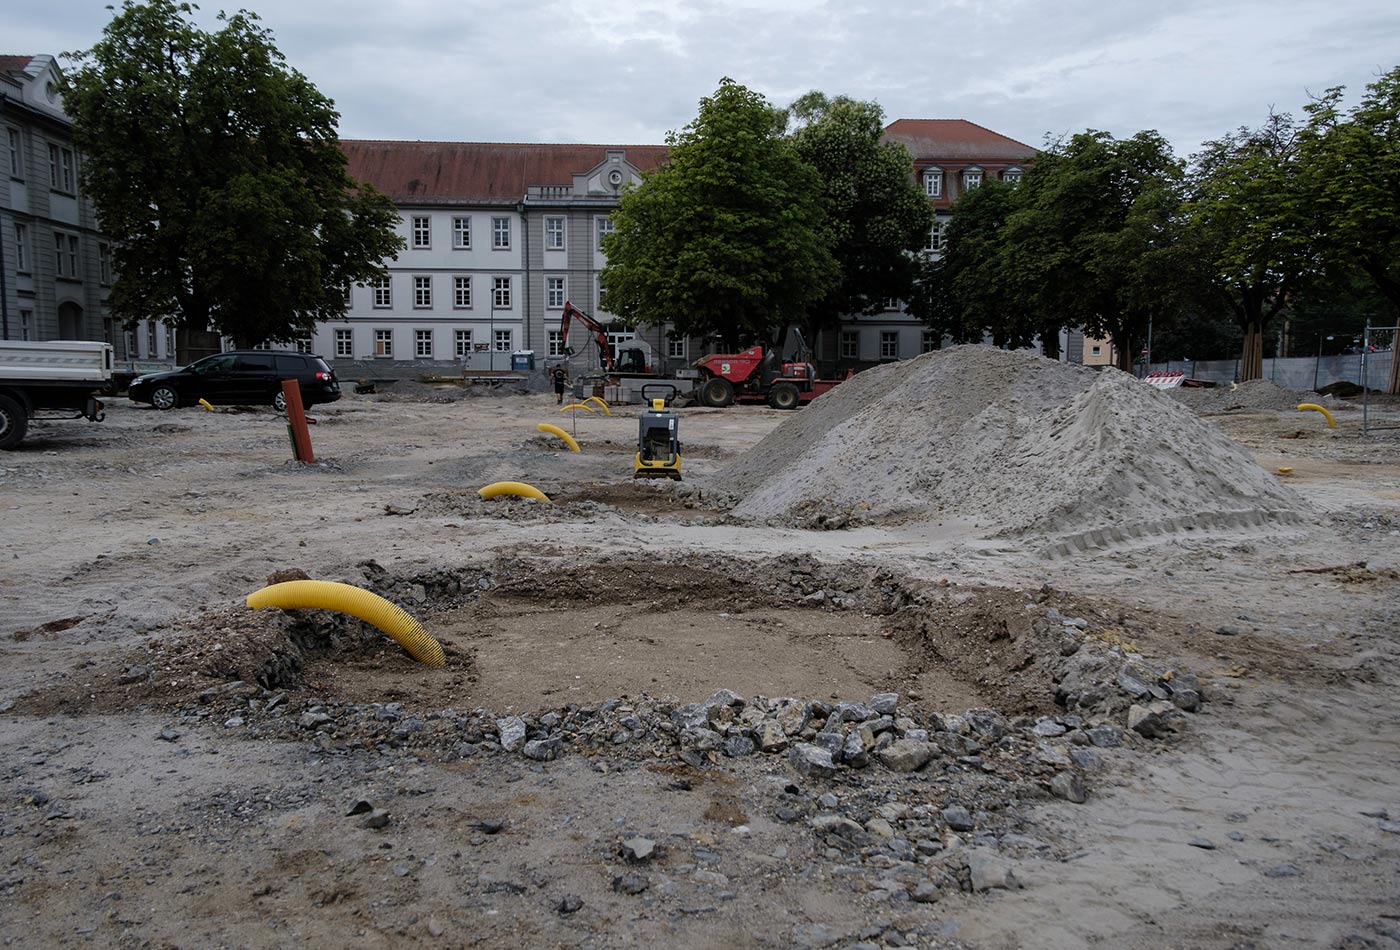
(66, 255)
(892, 303)
(933, 183)
(383, 293)
(462, 292)
(303, 344)
(26, 320)
(504, 341)
(605, 227)
(553, 234)
(675, 349)
(972, 179)
(1097, 350)
(151, 351)
(422, 292)
(16, 146)
(423, 344)
(344, 344)
(850, 344)
(104, 263)
(61, 169)
(383, 342)
(555, 343)
(348, 299)
(615, 341)
(500, 233)
(422, 232)
(500, 293)
(462, 343)
(554, 293)
(1011, 175)
(21, 247)
(170, 342)
(928, 342)
(889, 345)
(462, 233)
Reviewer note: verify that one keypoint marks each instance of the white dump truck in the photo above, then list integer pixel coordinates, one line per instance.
(58, 379)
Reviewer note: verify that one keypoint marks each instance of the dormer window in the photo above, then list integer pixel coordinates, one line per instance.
(1012, 175)
(972, 178)
(933, 182)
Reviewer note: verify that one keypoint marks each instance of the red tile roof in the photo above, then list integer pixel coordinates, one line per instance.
(478, 171)
(14, 64)
(935, 140)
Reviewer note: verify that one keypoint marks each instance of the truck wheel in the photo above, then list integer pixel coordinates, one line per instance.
(279, 402)
(717, 393)
(14, 422)
(164, 397)
(784, 396)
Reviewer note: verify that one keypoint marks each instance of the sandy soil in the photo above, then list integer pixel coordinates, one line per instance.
(147, 801)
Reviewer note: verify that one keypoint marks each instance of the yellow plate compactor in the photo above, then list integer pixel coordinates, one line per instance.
(658, 443)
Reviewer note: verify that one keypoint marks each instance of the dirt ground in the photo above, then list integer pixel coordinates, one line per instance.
(182, 771)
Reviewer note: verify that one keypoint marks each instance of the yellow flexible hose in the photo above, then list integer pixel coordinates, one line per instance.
(575, 405)
(569, 440)
(347, 599)
(519, 489)
(602, 404)
(1331, 423)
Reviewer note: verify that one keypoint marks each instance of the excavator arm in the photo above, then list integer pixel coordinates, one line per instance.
(600, 337)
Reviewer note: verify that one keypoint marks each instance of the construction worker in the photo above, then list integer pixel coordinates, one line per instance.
(561, 379)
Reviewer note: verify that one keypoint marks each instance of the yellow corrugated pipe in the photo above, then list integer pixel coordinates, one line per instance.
(569, 440)
(602, 404)
(1331, 423)
(519, 489)
(575, 405)
(357, 602)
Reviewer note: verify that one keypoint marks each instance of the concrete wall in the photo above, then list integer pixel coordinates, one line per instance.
(1302, 373)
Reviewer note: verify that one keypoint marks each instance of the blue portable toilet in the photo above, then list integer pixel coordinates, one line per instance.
(522, 361)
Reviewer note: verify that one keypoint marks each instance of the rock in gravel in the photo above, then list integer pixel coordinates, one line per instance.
(541, 750)
(434, 928)
(1069, 786)
(1152, 721)
(360, 807)
(989, 871)
(512, 731)
(958, 818)
(490, 826)
(885, 704)
(905, 755)
(312, 720)
(701, 740)
(569, 903)
(812, 760)
(630, 883)
(1390, 827)
(769, 736)
(836, 825)
(738, 746)
(1048, 729)
(1105, 736)
(1205, 844)
(638, 849)
(925, 893)
(168, 735)
(379, 818)
(134, 674)
(1283, 870)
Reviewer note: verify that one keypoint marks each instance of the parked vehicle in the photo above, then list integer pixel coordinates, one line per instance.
(633, 359)
(62, 378)
(240, 377)
(759, 374)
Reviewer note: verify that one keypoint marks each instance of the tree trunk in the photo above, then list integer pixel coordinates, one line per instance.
(1252, 357)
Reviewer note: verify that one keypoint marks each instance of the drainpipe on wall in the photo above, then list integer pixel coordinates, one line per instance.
(4, 295)
(525, 275)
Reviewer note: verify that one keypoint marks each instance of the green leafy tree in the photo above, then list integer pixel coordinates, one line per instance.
(216, 170)
(1095, 238)
(728, 238)
(877, 218)
(1251, 215)
(1353, 161)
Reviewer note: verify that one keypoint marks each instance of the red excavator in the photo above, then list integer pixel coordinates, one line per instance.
(633, 356)
(759, 374)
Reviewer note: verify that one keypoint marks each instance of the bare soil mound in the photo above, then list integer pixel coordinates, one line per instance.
(1011, 444)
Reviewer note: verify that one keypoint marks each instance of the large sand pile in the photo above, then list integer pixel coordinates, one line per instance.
(1010, 443)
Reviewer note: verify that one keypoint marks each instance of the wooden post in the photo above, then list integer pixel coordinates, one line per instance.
(296, 422)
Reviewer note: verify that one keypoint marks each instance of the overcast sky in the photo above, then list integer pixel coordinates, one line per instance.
(628, 72)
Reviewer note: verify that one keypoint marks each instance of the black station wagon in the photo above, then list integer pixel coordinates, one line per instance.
(241, 378)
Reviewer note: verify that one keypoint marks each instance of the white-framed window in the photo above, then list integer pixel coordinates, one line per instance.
(605, 227)
(889, 344)
(383, 293)
(104, 263)
(675, 349)
(349, 299)
(422, 292)
(933, 182)
(1097, 350)
(66, 255)
(303, 344)
(554, 343)
(344, 344)
(892, 303)
(1012, 175)
(61, 169)
(151, 351)
(928, 342)
(500, 293)
(383, 342)
(935, 235)
(500, 233)
(461, 343)
(554, 234)
(422, 231)
(170, 342)
(26, 323)
(462, 292)
(505, 341)
(554, 293)
(21, 247)
(850, 344)
(462, 233)
(616, 339)
(16, 146)
(972, 178)
(423, 344)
